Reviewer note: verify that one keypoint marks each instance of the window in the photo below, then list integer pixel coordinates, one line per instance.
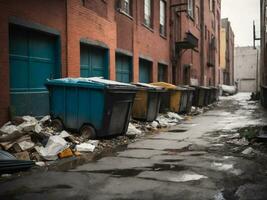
(147, 13)
(126, 6)
(162, 27)
(197, 15)
(190, 8)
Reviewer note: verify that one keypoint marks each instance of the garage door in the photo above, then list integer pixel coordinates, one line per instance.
(94, 61)
(123, 68)
(145, 71)
(32, 57)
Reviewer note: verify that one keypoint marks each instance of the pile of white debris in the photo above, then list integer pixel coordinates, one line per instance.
(162, 121)
(30, 139)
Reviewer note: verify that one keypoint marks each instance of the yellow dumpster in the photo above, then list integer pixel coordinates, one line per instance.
(170, 100)
(147, 102)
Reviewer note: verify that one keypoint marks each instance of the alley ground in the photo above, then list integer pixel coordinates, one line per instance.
(199, 159)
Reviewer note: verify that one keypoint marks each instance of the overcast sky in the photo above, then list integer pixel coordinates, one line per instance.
(241, 14)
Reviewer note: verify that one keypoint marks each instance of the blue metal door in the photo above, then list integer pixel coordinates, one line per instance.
(93, 61)
(123, 68)
(145, 71)
(32, 58)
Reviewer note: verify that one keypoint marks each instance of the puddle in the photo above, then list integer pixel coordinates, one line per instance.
(120, 172)
(187, 177)
(168, 167)
(177, 130)
(172, 160)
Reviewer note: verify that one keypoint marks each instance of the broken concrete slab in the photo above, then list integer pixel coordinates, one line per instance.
(140, 153)
(172, 176)
(115, 163)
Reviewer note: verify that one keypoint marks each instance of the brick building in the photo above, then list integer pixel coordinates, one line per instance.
(124, 40)
(227, 53)
(195, 36)
(263, 63)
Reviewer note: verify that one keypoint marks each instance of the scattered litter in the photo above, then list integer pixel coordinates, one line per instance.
(5, 175)
(10, 164)
(25, 145)
(174, 116)
(64, 134)
(85, 147)
(132, 130)
(240, 142)
(248, 151)
(223, 167)
(45, 119)
(38, 128)
(54, 146)
(40, 163)
(9, 128)
(22, 155)
(65, 153)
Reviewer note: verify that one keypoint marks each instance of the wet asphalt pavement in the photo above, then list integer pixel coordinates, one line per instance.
(195, 160)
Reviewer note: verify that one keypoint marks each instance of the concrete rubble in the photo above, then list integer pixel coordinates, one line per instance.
(30, 139)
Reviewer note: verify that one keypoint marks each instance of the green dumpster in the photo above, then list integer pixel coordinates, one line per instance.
(93, 106)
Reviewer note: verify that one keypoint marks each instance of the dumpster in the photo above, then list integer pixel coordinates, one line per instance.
(190, 94)
(183, 102)
(214, 94)
(207, 96)
(199, 96)
(264, 96)
(170, 99)
(147, 102)
(95, 107)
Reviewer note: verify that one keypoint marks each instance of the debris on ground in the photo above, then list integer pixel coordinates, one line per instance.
(248, 151)
(27, 138)
(10, 164)
(228, 90)
(88, 146)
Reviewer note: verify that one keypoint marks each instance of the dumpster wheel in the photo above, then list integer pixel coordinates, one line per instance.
(87, 132)
(57, 125)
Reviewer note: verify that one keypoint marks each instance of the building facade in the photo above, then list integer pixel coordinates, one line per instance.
(246, 70)
(227, 53)
(263, 63)
(123, 40)
(195, 36)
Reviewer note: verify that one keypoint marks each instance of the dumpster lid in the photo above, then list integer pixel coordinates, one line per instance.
(148, 86)
(165, 85)
(188, 87)
(93, 81)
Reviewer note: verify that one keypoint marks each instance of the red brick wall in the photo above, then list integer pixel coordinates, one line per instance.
(47, 13)
(87, 24)
(133, 36)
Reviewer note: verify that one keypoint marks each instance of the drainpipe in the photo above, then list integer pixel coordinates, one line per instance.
(202, 43)
(67, 39)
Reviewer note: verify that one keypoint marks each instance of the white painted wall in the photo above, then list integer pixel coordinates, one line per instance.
(245, 68)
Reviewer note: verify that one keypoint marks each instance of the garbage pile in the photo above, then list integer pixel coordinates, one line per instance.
(30, 139)
(162, 121)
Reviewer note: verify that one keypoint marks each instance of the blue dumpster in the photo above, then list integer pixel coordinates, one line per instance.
(93, 106)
